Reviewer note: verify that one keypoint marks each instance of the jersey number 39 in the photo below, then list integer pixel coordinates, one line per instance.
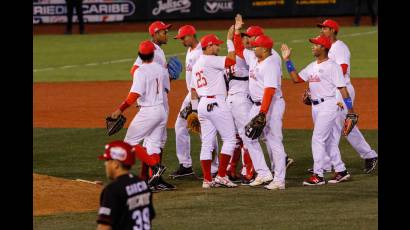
(142, 219)
(201, 80)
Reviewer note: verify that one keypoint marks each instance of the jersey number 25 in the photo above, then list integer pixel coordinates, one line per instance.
(201, 80)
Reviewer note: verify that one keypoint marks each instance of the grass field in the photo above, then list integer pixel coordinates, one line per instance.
(110, 56)
(351, 205)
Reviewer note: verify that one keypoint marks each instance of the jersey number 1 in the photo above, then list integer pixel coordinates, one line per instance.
(201, 80)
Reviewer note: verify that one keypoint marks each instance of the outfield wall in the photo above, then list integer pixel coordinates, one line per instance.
(101, 11)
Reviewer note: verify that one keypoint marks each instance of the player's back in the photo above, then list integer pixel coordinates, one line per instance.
(208, 75)
(340, 53)
(148, 82)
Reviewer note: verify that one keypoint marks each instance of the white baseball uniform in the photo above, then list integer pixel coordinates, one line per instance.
(208, 81)
(148, 124)
(159, 57)
(339, 53)
(182, 139)
(324, 79)
(267, 74)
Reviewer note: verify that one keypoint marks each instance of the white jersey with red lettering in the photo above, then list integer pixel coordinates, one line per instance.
(208, 75)
(191, 57)
(148, 84)
(340, 53)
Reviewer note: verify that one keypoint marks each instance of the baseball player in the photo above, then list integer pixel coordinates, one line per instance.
(125, 203)
(244, 48)
(187, 35)
(158, 31)
(148, 124)
(325, 77)
(339, 53)
(208, 84)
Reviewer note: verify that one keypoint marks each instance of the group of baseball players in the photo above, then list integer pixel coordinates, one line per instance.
(233, 94)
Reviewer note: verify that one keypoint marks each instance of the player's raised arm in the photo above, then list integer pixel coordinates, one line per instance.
(286, 52)
(231, 48)
(237, 39)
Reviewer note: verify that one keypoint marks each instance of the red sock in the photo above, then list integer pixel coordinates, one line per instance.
(223, 163)
(142, 155)
(248, 164)
(144, 171)
(234, 160)
(206, 169)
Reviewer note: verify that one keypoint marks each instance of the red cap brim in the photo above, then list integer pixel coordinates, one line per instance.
(177, 37)
(102, 157)
(320, 25)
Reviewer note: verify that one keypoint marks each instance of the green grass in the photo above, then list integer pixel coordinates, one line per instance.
(56, 51)
(71, 153)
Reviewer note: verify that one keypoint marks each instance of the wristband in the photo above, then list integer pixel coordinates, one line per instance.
(230, 46)
(348, 102)
(194, 104)
(290, 66)
(124, 105)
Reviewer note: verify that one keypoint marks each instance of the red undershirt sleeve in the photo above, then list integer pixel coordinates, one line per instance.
(229, 62)
(267, 99)
(131, 99)
(344, 68)
(239, 48)
(134, 67)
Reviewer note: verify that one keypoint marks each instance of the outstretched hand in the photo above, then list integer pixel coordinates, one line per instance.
(286, 51)
(238, 22)
(230, 33)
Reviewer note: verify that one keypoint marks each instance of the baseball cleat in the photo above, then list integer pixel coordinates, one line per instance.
(164, 186)
(208, 184)
(314, 180)
(224, 181)
(289, 162)
(261, 180)
(370, 164)
(275, 185)
(339, 177)
(181, 172)
(214, 174)
(157, 171)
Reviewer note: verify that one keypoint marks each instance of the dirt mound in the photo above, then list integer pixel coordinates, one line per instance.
(56, 195)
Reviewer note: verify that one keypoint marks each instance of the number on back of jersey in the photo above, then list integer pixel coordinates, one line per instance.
(201, 80)
(142, 219)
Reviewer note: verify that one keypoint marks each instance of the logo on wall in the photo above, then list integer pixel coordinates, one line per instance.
(55, 11)
(169, 6)
(213, 6)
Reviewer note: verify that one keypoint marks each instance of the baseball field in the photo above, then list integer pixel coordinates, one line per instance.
(78, 80)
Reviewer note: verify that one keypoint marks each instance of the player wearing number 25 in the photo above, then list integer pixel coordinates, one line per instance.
(125, 203)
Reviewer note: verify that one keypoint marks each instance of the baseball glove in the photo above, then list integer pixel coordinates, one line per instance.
(350, 121)
(186, 111)
(174, 67)
(306, 97)
(114, 125)
(193, 123)
(255, 127)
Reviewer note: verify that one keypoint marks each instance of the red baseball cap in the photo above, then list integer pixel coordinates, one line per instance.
(263, 41)
(119, 150)
(184, 31)
(321, 40)
(254, 31)
(157, 26)
(210, 39)
(146, 47)
(329, 23)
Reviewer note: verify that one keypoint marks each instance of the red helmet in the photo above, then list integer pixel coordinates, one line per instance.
(321, 40)
(329, 23)
(146, 47)
(119, 150)
(253, 31)
(210, 39)
(184, 31)
(157, 26)
(263, 41)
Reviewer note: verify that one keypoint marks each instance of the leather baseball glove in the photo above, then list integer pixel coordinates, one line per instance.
(193, 123)
(255, 127)
(186, 111)
(114, 125)
(350, 121)
(174, 67)
(306, 97)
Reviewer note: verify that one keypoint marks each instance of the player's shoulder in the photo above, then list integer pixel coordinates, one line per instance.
(332, 64)
(340, 45)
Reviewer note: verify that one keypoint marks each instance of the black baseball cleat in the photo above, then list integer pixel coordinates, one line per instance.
(370, 164)
(289, 162)
(314, 180)
(164, 186)
(181, 172)
(157, 171)
(214, 174)
(339, 177)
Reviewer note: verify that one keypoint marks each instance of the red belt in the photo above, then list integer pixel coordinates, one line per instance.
(210, 96)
